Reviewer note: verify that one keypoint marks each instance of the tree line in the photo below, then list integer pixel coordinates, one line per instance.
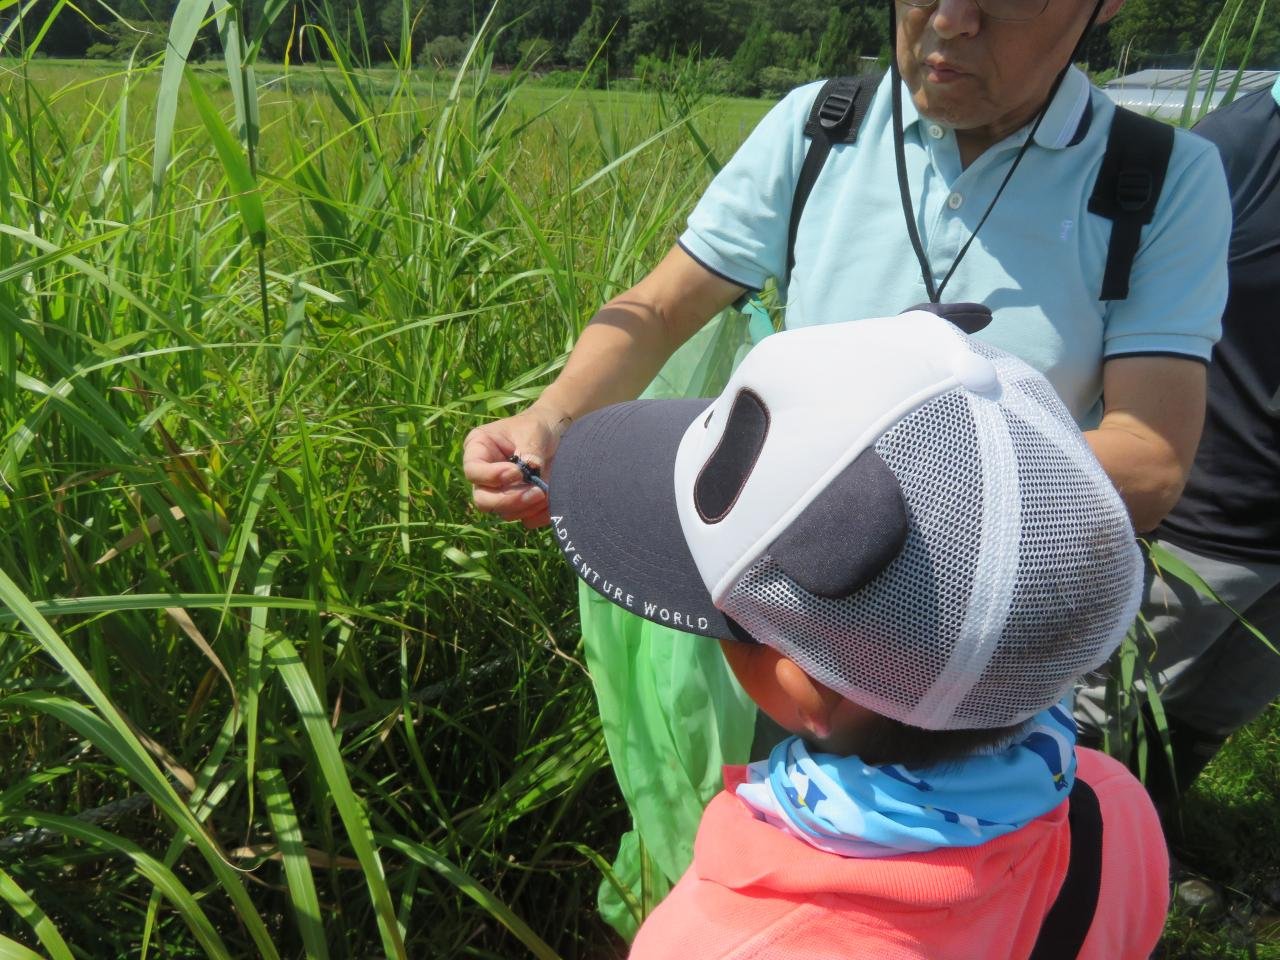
(746, 47)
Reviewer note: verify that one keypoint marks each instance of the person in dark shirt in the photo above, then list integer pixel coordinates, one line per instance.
(1213, 673)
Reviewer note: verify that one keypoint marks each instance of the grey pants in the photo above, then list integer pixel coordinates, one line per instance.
(1211, 672)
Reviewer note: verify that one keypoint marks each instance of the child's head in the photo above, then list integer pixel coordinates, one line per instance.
(832, 723)
(907, 519)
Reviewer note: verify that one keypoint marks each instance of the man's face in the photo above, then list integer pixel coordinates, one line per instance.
(983, 76)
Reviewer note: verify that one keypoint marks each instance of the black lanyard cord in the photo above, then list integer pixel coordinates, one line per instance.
(900, 157)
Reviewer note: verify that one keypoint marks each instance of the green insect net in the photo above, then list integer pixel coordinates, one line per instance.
(672, 712)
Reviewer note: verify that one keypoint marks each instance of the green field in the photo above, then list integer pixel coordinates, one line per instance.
(268, 685)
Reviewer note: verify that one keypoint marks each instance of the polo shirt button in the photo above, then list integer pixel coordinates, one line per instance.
(954, 201)
(935, 131)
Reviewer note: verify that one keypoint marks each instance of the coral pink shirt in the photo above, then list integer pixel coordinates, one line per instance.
(754, 892)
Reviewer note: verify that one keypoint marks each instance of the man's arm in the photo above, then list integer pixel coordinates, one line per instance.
(621, 349)
(1153, 411)
(632, 336)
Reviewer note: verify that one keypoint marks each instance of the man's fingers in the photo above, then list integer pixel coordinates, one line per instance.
(492, 476)
(511, 503)
(485, 459)
(540, 519)
(536, 513)
(501, 502)
(497, 485)
(533, 516)
(484, 463)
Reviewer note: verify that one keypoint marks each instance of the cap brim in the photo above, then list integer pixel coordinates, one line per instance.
(613, 513)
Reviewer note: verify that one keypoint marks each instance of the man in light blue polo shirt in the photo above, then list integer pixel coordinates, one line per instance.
(976, 83)
(977, 75)
(1038, 261)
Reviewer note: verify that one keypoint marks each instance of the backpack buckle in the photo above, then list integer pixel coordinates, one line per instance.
(1133, 190)
(834, 110)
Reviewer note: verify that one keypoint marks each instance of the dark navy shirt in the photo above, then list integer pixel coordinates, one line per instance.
(1231, 507)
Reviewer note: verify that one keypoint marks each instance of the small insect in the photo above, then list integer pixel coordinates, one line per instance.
(530, 474)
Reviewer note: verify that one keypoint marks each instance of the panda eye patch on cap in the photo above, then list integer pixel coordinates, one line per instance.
(726, 472)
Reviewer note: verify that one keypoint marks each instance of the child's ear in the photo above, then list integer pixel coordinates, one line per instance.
(815, 702)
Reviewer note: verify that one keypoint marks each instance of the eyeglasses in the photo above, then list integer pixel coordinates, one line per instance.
(1015, 11)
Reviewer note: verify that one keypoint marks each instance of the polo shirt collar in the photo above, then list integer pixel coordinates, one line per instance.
(1064, 125)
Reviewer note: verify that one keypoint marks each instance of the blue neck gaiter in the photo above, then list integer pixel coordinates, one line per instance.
(847, 807)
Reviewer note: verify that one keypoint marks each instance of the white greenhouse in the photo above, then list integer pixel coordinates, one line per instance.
(1162, 93)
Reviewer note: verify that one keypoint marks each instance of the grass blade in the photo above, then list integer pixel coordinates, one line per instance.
(466, 884)
(188, 18)
(34, 917)
(297, 870)
(285, 660)
(117, 738)
(148, 866)
(12, 950)
(159, 601)
(244, 187)
(1165, 562)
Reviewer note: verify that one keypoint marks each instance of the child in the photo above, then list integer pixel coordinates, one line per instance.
(909, 554)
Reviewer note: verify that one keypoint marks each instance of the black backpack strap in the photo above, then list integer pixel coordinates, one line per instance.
(1068, 921)
(1128, 189)
(835, 117)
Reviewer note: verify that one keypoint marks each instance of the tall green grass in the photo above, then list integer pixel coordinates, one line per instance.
(268, 687)
(1213, 52)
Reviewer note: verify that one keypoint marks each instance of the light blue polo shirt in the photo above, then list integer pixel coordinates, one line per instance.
(1037, 263)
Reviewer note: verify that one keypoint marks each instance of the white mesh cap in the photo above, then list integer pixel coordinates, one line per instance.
(1018, 574)
(907, 513)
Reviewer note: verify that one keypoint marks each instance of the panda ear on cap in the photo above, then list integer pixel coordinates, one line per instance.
(967, 317)
(849, 533)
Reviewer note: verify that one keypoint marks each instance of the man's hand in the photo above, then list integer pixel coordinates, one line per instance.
(497, 485)
(1153, 411)
(622, 348)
